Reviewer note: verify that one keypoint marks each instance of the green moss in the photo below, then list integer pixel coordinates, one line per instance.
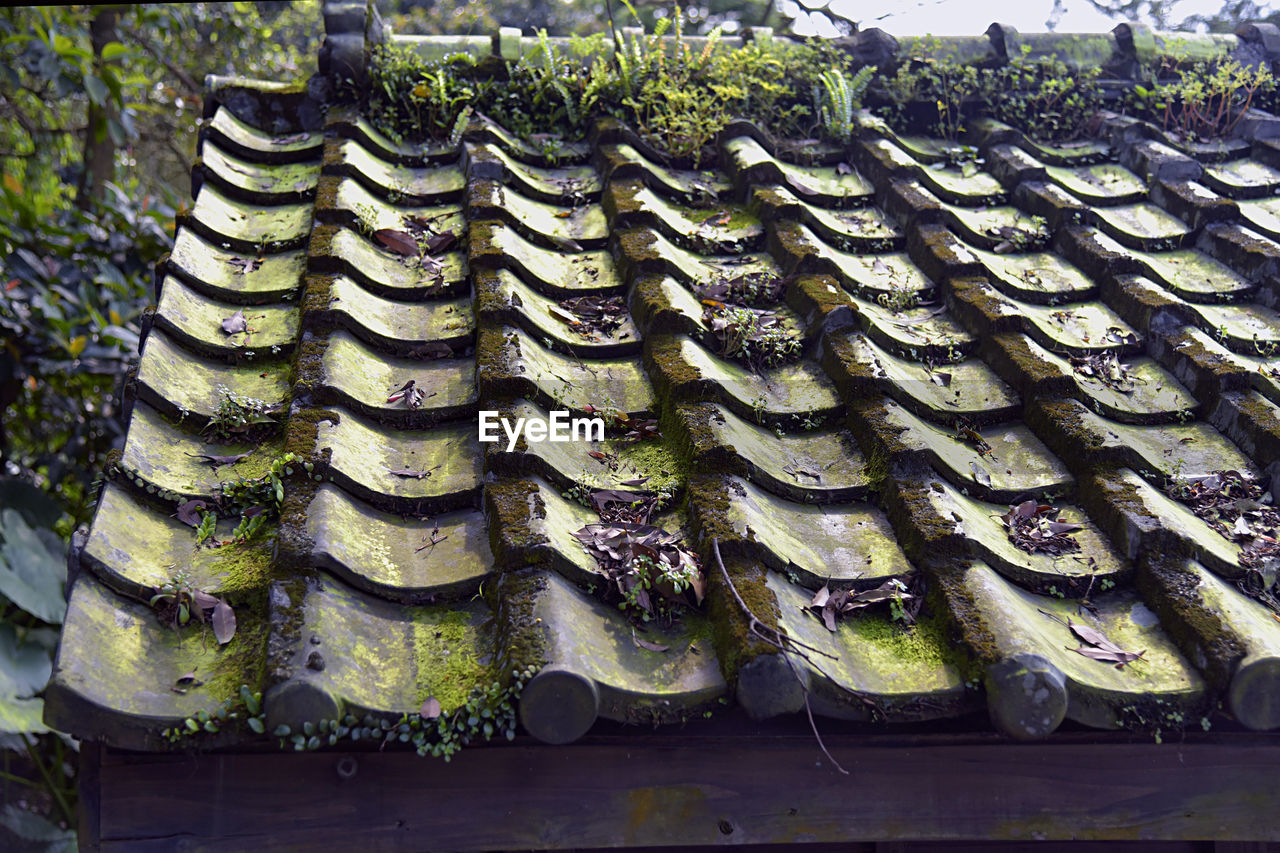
(244, 567)
(327, 193)
(243, 660)
(522, 643)
(673, 377)
(444, 652)
(510, 507)
(924, 646)
(964, 616)
(1198, 631)
(655, 459)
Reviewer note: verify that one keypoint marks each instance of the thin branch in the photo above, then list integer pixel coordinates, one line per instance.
(183, 77)
(67, 812)
(781, 644)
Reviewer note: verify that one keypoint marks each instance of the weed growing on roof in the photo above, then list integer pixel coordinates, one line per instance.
(929, 93)
(489, 709)
(237, 416)
(677, 98)
(898, 299)
(838, 99)
(1199, 100)
(1045, 98)
(245, 706)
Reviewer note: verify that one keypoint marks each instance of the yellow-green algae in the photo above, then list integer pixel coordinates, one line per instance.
(446, 665)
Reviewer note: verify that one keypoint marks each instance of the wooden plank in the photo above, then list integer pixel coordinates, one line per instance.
(655, 792)
(89, 792)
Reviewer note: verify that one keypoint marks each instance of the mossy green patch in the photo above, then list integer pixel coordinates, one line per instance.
(244, 567)
(243, 660)
(447, 666)
(652, 458)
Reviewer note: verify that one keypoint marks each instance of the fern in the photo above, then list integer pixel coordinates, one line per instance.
(459, 127)
(550, 63)
(838, 99)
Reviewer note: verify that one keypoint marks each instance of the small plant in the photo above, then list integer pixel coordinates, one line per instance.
(1200, 100)
(898, 299)
(245, 706)
(237, 417)
(177, 601)
(756, 337)
(1044, 98)
(838, 99)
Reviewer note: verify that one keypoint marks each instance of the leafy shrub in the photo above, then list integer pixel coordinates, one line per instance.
(1045, 98)
(1200, 100)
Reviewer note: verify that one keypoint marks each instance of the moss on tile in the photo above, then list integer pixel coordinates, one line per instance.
(1199, 631)
(446, 664)
(510, 507)
(245, 567)
(243, 660)
(521, 642)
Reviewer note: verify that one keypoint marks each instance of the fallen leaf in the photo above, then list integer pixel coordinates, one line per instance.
(820, 597)
(235, 324)
(215, 460)
(565, 244)
(190, 512)
(224, 623)
(410, 472)
(188, 680)
(441, 242)
(430, 708)
(245, 265)
(843, 168)
(636, 483)
(645, 644)
(400, 242)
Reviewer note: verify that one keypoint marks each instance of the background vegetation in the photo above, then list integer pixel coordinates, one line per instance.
(98, 118)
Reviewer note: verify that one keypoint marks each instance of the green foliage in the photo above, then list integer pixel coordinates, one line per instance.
(409, 98)
(839, 99)
(1045, 98)
(928, 93)
(237, 416)
(1200, 100)
(489, 710)
(245, 707)
(677, 95)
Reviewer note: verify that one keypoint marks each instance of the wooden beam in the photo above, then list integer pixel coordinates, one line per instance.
(657, 791)
(89, 791)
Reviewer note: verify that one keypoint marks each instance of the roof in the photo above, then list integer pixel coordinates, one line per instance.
(960, 358)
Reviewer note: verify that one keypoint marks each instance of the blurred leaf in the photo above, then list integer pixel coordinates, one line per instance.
(30, 826)
(114, 49)
(31, 576)
(96, 88)
(24, 667)
(224, 622)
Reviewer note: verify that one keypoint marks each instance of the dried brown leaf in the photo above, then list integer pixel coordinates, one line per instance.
(235, 324)
(189, 512)
(224, 623)
(400, 242)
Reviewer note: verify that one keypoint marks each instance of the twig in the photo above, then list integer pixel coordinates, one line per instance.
(67, 812)
(780, 643)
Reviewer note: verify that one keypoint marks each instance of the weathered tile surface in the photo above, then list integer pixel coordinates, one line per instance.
(944, 375)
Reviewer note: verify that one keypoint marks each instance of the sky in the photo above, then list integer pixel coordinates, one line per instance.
(971, 17)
